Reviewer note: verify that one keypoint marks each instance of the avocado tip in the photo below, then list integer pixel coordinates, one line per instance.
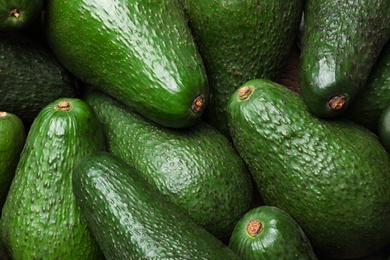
(14, 12)
(337, 102)
(198, 104)
(63, 106)
(254, 227)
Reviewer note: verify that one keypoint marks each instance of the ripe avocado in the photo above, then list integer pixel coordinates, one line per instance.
(140, 52)
(240, 40)
(30, 77)
(12, 138)
(131, 220)
(40, 217)
(196, 168)
(19, 14)
(375, 96)
(267, 232)
(342, 41)
(331, 175)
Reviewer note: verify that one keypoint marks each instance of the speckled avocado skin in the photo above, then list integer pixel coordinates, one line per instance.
(140, 52)
(375, 96)
(331, 176)
(197, 168)
(240, 40)
(342, 41)
(40, 217)
(12, 138)
(131, 220)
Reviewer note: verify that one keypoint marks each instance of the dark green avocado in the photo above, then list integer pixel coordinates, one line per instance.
(140, 52)
(30, 77)
(131, 220)
(196, 168)
(342, 41)
(267, 232)
(375, 96)
(40, 218)
(331, 176)
(16, 15)
(240, 40)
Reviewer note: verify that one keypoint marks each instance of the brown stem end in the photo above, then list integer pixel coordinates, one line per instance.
(254, 228)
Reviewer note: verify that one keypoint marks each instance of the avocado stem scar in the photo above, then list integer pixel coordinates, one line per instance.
(198, 103)
(14, 12)
(337, 102)
(254, 227)
(244, 92)
(3, 114)
(63, 106)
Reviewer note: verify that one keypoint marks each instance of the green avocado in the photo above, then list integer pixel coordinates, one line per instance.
(342, 41)
(30, 77)
(131, 220)
(19, 14)
(12, 138)
(267, 232)
(375, 96)
(240, 40)
(140, 52)
(196, 168)
(40, 218)
(331, 176)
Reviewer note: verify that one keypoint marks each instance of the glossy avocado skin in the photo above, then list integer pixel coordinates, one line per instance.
(280, 236)
(140, 52)
(12, 138)
(30, 77)
(197, 168)
(240, 40)
(131, 220)
(375, 96)
(19, 14)
(342, 41)
(331, 176)
(40, 217)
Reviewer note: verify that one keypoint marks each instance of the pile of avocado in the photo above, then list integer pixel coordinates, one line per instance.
(161, 129)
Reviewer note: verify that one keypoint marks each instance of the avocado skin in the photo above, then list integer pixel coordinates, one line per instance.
(131, 220)
(30, 77)
(342, 41)
(40, 217)
(280, 237)
(28, 10)
(331, 176)
(240, 40)
(140, 52)
(375, 96)
(196, 168)
(12, 138)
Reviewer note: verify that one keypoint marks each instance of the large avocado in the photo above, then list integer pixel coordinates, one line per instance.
(140, 52)
(331, 176)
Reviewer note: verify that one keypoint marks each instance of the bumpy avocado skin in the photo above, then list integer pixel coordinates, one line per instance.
(140, 52)
(331, 176)
(279, 236)
(12, 138)
(131, 220)
(30, 77)
(375, 96)
(240, 40)
(40, 217)
(196, 168)
(342, 41)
